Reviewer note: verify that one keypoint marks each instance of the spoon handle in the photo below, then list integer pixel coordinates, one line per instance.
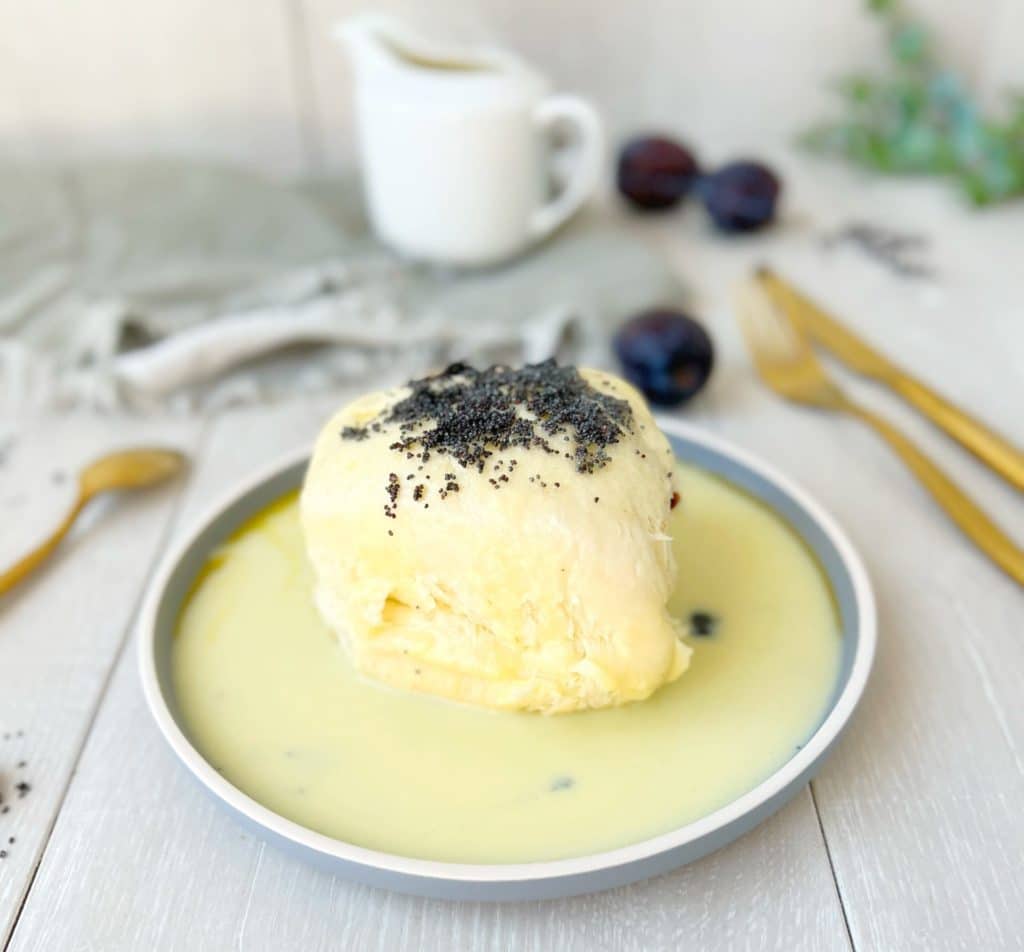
(29, 563)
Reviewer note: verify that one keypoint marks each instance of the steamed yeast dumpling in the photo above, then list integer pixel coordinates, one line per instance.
(499, 537)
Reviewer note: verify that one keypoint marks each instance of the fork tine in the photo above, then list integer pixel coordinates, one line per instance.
(759, 324)
(789, 340)
(746, 311)
(779, 335)
(782, 354)
(773, 332)
(798, 339)
(745, 307)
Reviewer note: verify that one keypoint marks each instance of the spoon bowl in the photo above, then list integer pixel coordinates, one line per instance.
(124, 470)
(129, 469)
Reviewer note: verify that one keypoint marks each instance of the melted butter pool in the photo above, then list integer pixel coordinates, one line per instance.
(270, 699)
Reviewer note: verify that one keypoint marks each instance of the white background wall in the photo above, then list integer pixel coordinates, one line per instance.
(261, 81)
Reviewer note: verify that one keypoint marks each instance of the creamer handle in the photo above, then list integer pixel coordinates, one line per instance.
(583, 118)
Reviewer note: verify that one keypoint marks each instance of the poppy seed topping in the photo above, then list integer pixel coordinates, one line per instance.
(472, 416)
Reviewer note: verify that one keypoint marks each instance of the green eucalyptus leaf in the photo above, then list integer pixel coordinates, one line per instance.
(908, 44)
(857, 88)
(917, 148)
(920, 118)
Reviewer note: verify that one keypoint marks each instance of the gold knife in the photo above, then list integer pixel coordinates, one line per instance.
(992, 449)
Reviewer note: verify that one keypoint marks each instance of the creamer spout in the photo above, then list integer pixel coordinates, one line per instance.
(371, 40)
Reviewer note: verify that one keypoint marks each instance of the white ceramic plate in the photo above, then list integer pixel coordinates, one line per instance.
(581, 874)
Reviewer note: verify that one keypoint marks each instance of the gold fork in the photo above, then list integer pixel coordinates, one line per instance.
(786, 363)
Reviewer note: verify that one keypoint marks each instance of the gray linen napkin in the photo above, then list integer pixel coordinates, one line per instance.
(166, 284)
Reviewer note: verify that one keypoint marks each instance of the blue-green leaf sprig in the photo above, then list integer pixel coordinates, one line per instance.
(919, 118)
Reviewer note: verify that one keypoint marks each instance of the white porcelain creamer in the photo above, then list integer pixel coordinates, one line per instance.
(455, 147)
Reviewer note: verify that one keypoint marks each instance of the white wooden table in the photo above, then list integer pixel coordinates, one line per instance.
(912, 836)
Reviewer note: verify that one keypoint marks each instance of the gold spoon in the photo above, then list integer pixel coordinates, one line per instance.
(130, 469)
